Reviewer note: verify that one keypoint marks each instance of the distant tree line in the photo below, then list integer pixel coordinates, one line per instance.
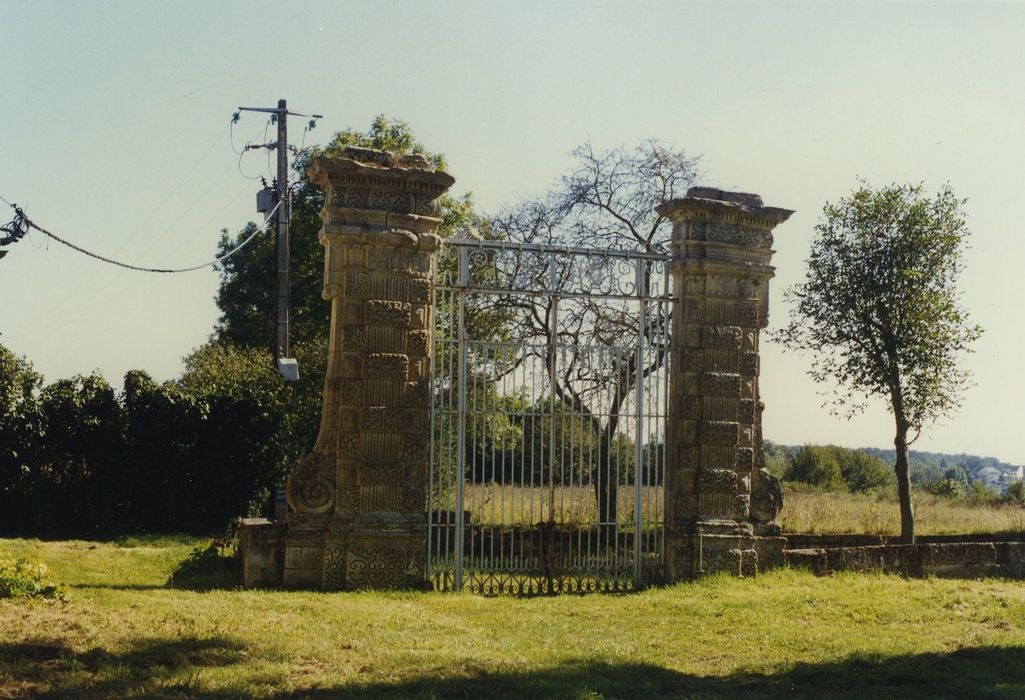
(834, 468)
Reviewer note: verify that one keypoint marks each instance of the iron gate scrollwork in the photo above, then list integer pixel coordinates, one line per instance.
(548, 418)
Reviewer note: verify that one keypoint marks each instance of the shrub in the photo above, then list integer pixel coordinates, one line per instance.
(21, 578)
(213, 566)
(815, 465)
(947, 488)
(981, 495)
(863, 472)
(1016, 493)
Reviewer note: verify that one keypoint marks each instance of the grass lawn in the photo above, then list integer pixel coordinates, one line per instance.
(784, 634)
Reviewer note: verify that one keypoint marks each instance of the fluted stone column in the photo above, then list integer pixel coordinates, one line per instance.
(720, 503)
(357, 501)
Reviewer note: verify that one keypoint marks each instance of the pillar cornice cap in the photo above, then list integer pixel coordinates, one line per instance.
(702, 201)
(377, 165)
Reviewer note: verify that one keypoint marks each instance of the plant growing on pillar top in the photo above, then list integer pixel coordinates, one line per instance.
(879, 312)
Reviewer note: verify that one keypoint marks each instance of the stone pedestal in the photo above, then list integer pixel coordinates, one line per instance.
(357, 501)
(720, 503)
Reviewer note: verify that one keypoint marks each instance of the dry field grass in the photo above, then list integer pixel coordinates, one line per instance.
(803, 510)
(828, 512)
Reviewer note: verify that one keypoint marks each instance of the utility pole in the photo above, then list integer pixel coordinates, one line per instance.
(281, 347)
(286, 365)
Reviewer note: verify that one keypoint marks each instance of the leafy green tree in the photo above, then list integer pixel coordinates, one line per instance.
(77, 469)
(1016, 493)
(948, 488)
(879, 310)
(981, 495)
(958, 474)
(21, 433)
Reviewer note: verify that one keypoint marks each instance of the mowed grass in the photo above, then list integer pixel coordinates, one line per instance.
(834, 512)
(782, 634)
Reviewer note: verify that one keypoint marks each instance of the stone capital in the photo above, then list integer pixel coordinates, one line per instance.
(379, 190)
(710, 224)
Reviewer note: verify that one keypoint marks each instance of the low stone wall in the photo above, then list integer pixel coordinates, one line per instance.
(948, 559)
(815, 541)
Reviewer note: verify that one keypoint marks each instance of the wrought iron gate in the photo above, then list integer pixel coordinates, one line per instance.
(548, 420)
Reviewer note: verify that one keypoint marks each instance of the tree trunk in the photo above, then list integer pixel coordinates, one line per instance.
(907, 515)
(605, 479)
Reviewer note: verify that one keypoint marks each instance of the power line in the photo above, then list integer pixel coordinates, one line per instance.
(174, 189)
(20, 215)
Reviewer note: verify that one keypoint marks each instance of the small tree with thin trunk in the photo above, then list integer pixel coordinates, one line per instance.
(879, 310)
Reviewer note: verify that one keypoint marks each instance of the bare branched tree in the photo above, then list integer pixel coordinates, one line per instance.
(607, 200)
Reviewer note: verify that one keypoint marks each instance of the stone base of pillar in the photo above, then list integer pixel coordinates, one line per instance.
(370, 551)
(261, 548)
(721, 546)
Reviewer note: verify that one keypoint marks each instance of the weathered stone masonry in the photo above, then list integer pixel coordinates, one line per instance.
(357, 501)
(720, 503)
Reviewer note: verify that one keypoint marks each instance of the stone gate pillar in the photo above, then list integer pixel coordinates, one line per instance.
(720, 503)
(357, 501)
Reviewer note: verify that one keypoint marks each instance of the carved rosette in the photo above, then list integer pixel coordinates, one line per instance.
(311, 486)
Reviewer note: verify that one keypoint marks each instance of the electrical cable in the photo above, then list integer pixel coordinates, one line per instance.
(174, 189)
(111, 261)
(242, 173)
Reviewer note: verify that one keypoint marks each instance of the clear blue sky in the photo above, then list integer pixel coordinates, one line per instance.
(115, 117)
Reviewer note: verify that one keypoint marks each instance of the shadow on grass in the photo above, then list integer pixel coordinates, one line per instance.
(968, 673)
(175, 668)
(148, 668)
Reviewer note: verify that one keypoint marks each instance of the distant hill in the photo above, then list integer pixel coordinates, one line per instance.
(927, 467)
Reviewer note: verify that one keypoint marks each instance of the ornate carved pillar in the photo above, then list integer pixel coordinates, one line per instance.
(357, 500)
(720, 503)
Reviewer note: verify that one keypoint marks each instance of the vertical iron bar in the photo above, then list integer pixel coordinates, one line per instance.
(639, 423)
(461, 417)
(430, 461)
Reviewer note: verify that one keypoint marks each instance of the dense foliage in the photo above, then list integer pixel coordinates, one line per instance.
(188, 454)
(878, 310)
(958, 477)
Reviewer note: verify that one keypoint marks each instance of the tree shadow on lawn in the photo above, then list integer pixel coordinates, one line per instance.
(150, 667)
(174, 668)
(983, 672)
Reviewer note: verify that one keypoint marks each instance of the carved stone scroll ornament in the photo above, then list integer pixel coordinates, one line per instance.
(766, 497)
(311, 486)
(717, 481)
(731, 234)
